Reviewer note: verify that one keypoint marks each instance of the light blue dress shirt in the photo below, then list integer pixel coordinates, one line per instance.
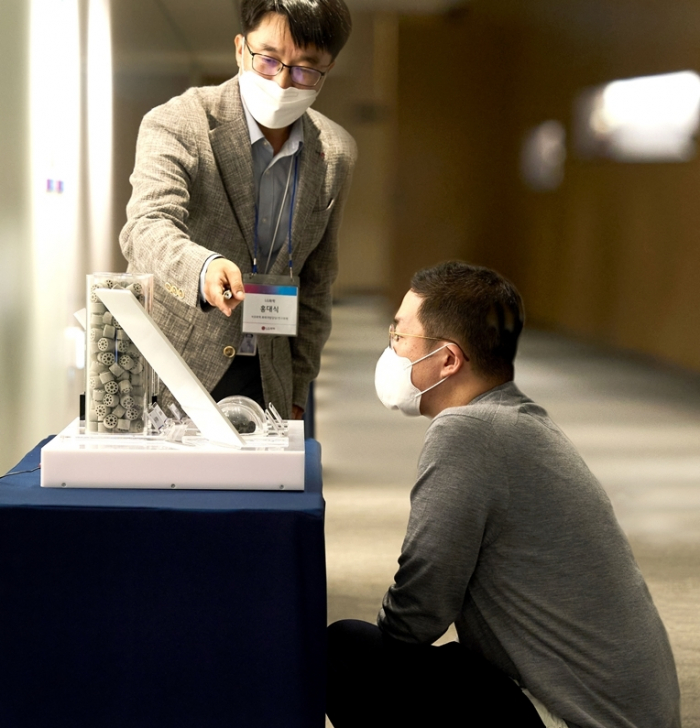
(273, 174)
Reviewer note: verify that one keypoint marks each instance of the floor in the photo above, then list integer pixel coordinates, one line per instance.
(636, 424)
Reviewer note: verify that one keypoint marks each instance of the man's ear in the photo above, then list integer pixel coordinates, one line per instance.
(239, 41)
(454, 360)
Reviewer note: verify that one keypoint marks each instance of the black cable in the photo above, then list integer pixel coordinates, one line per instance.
(19, 472)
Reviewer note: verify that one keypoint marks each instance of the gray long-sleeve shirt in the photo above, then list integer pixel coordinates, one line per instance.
(513, 539)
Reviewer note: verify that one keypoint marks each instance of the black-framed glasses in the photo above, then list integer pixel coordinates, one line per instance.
(268, 66)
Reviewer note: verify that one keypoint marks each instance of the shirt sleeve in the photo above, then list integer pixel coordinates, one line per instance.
(452, 504)
(204, 304)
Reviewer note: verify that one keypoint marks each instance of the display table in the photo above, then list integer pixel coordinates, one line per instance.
(170, 609)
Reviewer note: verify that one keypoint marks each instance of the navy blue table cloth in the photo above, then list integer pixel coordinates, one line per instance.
(156, 608)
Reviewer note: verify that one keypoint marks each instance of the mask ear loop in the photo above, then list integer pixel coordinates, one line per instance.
(444, 346)
(432, 386)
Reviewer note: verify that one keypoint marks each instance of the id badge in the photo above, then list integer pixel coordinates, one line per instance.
(271, 304)
(248, 345)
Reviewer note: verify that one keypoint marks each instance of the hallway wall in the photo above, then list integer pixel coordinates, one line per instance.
(15, 223)
(611, 255)
(453, 186)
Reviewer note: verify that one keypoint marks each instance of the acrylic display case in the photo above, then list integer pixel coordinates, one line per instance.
(118, 379)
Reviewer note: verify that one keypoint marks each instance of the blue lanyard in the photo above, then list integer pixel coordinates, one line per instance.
(291, 217)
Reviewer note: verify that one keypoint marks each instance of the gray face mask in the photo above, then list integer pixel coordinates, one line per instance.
(392, 382)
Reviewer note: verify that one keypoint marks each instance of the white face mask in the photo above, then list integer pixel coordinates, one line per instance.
(392, 381)
(271, 105)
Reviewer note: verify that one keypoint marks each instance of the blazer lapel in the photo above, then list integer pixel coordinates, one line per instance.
(230, 143)
(312, 172)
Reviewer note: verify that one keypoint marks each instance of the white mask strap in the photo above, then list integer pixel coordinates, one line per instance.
(432, 386)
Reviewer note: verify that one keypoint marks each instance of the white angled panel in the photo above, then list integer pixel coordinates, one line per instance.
(170, 367)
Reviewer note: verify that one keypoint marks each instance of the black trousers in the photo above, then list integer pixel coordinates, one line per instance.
(374, 681)
(241, 378)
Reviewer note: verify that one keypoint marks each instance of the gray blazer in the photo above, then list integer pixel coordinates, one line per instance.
(193, 195)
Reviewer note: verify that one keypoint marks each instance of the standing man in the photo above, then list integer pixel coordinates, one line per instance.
(245, 178)
(510, 537)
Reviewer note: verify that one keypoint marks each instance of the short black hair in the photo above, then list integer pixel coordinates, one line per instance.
(476, 308)
(325, 24)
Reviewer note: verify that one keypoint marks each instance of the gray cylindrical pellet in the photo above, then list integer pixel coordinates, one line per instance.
(119, 411)
(122, 346)
(121, 335)
(100, 411)
(125, 386)
(96, 320)
(110, 400)
(107, 318)
(98, 395)
(101, 427)
(110, 421)
(106, 377)
(104, 344)
(116, 370)
(123, 377)
(126, 401)
(123, 425)
(108, 331)
(111, 387)
(126, 362)
(98, 308)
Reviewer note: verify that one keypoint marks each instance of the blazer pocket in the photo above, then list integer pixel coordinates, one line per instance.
(326, 207)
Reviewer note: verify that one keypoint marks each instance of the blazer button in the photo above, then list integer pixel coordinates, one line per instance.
(229, 352)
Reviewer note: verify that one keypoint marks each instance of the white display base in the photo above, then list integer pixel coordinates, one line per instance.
(75, 460)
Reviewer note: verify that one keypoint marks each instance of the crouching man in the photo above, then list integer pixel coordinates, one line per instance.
(510, 537)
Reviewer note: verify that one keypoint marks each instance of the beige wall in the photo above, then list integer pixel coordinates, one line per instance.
(15, 225)
(612, 255)
(454, 144)
(360, 95)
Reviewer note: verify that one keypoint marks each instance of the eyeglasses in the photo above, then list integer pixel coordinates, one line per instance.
(396, 336)
(301, 75)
